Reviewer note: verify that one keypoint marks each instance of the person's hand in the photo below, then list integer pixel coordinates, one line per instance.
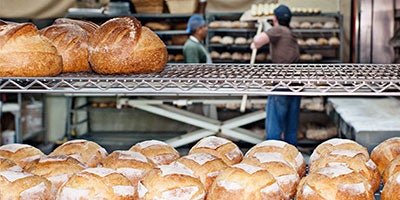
(253, 46)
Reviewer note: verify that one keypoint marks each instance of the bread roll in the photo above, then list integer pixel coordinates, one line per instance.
(392, 168)
(294, 24)
(87, 152)
(216, 39)
(179, 57)
(334, 41)
(227, 40)
(322, 41)
(223, 148)
(206, 167)
(159, 152)
(391, 189)
(301, 42)
(311, 42)
(354, 160)
(9, 165)
(71, 42)
(240, 40)
(158, 26)
(97, 183)
(305, 25)
(88, 26)
(336, 182)
(289, 153)
(243, 181)
(337, 144)
(56, 169)
(237, 56)
(121, 45)
(385, 152)
(132, 165)
(215, 55)
(330, 25)
(226, 55)
(21, 154)
(173, 181)
(24, 52)
(285, 175)
(316, 25)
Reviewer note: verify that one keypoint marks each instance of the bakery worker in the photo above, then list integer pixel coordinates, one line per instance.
(193, 50)
(282, 111)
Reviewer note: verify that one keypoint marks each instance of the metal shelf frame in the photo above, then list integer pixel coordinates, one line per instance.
(225, 80)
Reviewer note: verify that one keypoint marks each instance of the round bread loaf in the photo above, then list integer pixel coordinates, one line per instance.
(173, 181)
(24, 52)
(205, 166)
(289, 153)
(88, 26)
(223, 148)
(243, 181)
(385, 152)
(334, 41)
(57, 169)
(21, 154)
(121, 45)
(335, 182)
(336, 144)
(285, 175)
(71, 42)
(157, 151)
(9, 165)
(354, 160)
(133, 165)
(97, 183)
(391, 189)
(24, 186)
(87, 152)
(392, 168)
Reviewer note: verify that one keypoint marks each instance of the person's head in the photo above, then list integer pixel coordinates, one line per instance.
(197, 26)
(283, 15)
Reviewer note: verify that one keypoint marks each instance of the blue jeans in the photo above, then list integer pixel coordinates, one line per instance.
(282, 117)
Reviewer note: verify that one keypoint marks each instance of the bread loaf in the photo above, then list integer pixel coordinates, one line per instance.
(24, 186)
(392, 168)
(71, 42)
(173, 181)
(88, 26)
(21, 154)
(87, 152)
(223, 148)
(385, 152)
(121, 45)
(24, 52)
(336, 182)
(243, 181)
(391, 189)
(206, 167)
(289, 153)
(9, 165)
(159, 152)
(97, 183)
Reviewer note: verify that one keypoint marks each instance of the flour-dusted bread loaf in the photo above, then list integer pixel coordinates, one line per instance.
(221, 147)
(205, 166)
(391, 190)
(88, 26)
(354, 160)
(289, 152)
(121, 45)
(87, 152)
(336, 144)
(244, 181)
(131, 164)
(24, 52)
(9, 165)
(385, 152)
(173, 181)
(21, 154)
(392, 168)
(97, 183)
(57, 169)
(157, 151)
(336, 182)
(24, 186)
(71, 42)
(285, 175)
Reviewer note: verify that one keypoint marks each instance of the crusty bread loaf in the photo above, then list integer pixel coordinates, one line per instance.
(131, 164)
(385, 152)
(57, 169)
(223, 148)
(9, 165)
(24, 186)
(21, 154)
(354, 160)
(391, 190)
(71, 42)
(205, 166)
(173, 181)
(243, 181)
(122, 45)
(97, 183)
(336, 182)
(157, 151)
(392, 168)
(24, 52)
(88, 26)
(87, 152)
(285, 175)
(289, 152)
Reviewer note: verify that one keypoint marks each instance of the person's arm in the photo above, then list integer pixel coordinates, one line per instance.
(259, 40)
